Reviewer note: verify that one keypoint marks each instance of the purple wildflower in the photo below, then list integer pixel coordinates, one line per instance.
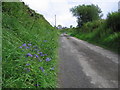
(52, 68)
(29, 55)
(41, 54)
(20, 47)
(45, 54)
(36, 55)
(27, 47)
(29, 44)
(41, 68)
(45, 40)
(37, 85)
(48, 59)
(24, 44)
(28, 64)
(35, 49)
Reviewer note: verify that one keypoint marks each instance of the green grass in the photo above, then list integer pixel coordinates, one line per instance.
(0, 45)
(24, 34)
(109, 42)
(97, 33)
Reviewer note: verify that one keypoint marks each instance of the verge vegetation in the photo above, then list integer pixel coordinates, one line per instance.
(104, 33)
(29, 52)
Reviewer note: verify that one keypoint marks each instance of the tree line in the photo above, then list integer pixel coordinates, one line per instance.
(89, 13)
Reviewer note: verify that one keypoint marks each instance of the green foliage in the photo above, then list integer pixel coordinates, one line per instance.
(97, 33)
(29, 49)
(91, 26)
(113, 21)
(86, 13)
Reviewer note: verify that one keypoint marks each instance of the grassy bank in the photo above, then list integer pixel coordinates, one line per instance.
(98, 33)
(29, 52)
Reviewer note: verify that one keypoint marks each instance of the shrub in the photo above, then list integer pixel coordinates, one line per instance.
(113, 21)
(91, 26)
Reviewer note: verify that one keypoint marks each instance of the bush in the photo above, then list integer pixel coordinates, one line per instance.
(91, 26)
(113, 21)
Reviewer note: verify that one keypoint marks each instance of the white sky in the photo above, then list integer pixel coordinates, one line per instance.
(61, 8)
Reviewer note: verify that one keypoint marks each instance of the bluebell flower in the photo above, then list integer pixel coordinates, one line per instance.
(28, 64)
(48, 59)
(41, 68)
(24, 44)
(29, 55)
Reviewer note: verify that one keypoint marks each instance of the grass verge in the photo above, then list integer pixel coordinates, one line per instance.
(29, 51)
(97, 33)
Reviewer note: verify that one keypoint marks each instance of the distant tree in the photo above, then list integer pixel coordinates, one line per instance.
(64, 27)
(86, 13)
(71, 26)
(59, 26)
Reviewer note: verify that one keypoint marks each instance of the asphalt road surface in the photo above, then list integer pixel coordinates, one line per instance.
(83, 65)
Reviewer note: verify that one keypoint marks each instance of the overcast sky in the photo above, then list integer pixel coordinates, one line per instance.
(61, 8)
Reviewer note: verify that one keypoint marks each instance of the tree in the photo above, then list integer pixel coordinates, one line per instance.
(86, 13)
(113, 21)
(71, 26)
(59, 26)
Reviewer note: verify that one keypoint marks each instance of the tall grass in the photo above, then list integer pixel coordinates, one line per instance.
(29, 49)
